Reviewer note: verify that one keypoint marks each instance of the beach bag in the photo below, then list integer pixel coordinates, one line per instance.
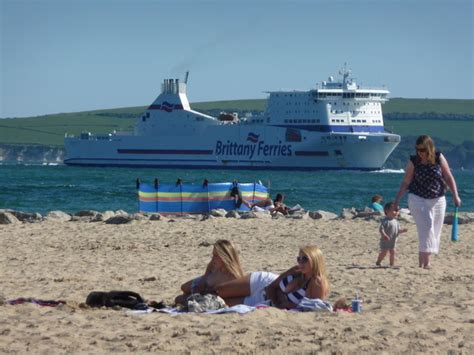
(126, 299)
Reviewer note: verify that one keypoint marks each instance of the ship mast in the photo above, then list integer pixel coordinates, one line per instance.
(345, 74)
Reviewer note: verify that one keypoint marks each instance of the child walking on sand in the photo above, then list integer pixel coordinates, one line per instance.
(389, 231)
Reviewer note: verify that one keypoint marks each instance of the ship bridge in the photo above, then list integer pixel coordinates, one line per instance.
(333, 106)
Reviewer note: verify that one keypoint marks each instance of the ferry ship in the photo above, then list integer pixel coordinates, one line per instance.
(336, 125)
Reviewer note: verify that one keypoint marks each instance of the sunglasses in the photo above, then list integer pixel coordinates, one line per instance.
(421, 150)
(302, 259)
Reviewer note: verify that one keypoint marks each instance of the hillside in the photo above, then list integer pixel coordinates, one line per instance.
(449, 121)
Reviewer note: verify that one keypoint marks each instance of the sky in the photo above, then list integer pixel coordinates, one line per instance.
(78, 55)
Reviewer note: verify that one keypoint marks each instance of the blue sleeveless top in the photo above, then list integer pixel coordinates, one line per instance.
(428, 179)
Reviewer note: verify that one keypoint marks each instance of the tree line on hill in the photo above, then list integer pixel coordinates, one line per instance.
(428, 116)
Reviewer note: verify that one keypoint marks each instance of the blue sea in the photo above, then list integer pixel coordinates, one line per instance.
(43, 188)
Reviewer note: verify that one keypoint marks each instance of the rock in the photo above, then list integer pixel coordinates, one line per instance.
(27, 217)
(365, 214)
(406, 218)
(298, 215)
(232, 214)
(218, 212)
(88, 213)
(121, 213)
(58, 216)
(102, 216)
(319, 214)
(463, 218)
(263, 214)
(139, 216)
(8, 218)
(278, 215)
(348, 213)
(81, 219)
(201, 303)
(119, 219)
(247, 215)
(155, 217)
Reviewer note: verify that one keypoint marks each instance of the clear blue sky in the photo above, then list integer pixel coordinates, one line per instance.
(77, 55)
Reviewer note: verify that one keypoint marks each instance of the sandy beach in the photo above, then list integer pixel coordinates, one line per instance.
(405, 309)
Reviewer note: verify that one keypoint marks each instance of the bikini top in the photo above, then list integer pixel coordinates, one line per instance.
(297, 295)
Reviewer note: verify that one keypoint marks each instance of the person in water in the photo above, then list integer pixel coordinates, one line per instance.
(223, 267)
(306, 279)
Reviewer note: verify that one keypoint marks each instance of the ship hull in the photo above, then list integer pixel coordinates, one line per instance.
(237, 147)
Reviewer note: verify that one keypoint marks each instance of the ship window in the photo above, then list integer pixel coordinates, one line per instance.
(143, 119)
(148, 115)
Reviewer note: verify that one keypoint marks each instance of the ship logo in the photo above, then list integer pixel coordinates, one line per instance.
(252, 137)
(166, 106)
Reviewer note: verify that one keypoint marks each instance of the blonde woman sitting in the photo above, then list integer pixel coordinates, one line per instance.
(223, 267)
(306, 279)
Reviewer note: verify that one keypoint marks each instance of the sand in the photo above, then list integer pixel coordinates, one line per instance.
(404, 309)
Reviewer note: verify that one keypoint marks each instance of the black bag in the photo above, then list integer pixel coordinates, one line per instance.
(127, 299)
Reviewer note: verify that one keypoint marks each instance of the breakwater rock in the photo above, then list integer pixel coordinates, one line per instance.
(8, 216)
(31, 153)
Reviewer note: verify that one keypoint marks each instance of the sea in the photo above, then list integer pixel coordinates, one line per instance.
(44, 188)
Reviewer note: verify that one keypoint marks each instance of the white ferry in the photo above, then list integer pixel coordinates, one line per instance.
(337, 125)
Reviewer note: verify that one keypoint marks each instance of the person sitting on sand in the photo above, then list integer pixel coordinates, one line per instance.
(273, 206)
(389, 231)
(377, 203)
(306, 279)
(224, 266)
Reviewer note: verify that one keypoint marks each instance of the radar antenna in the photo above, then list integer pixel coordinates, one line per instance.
(345, 73)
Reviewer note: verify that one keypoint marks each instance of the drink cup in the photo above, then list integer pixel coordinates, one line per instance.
(356, 306)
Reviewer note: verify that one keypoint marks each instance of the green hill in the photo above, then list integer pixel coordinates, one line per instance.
(50, 129)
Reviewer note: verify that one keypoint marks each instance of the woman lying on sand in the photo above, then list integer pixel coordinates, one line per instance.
(223, 267)
(274, 206)
(306, 279)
